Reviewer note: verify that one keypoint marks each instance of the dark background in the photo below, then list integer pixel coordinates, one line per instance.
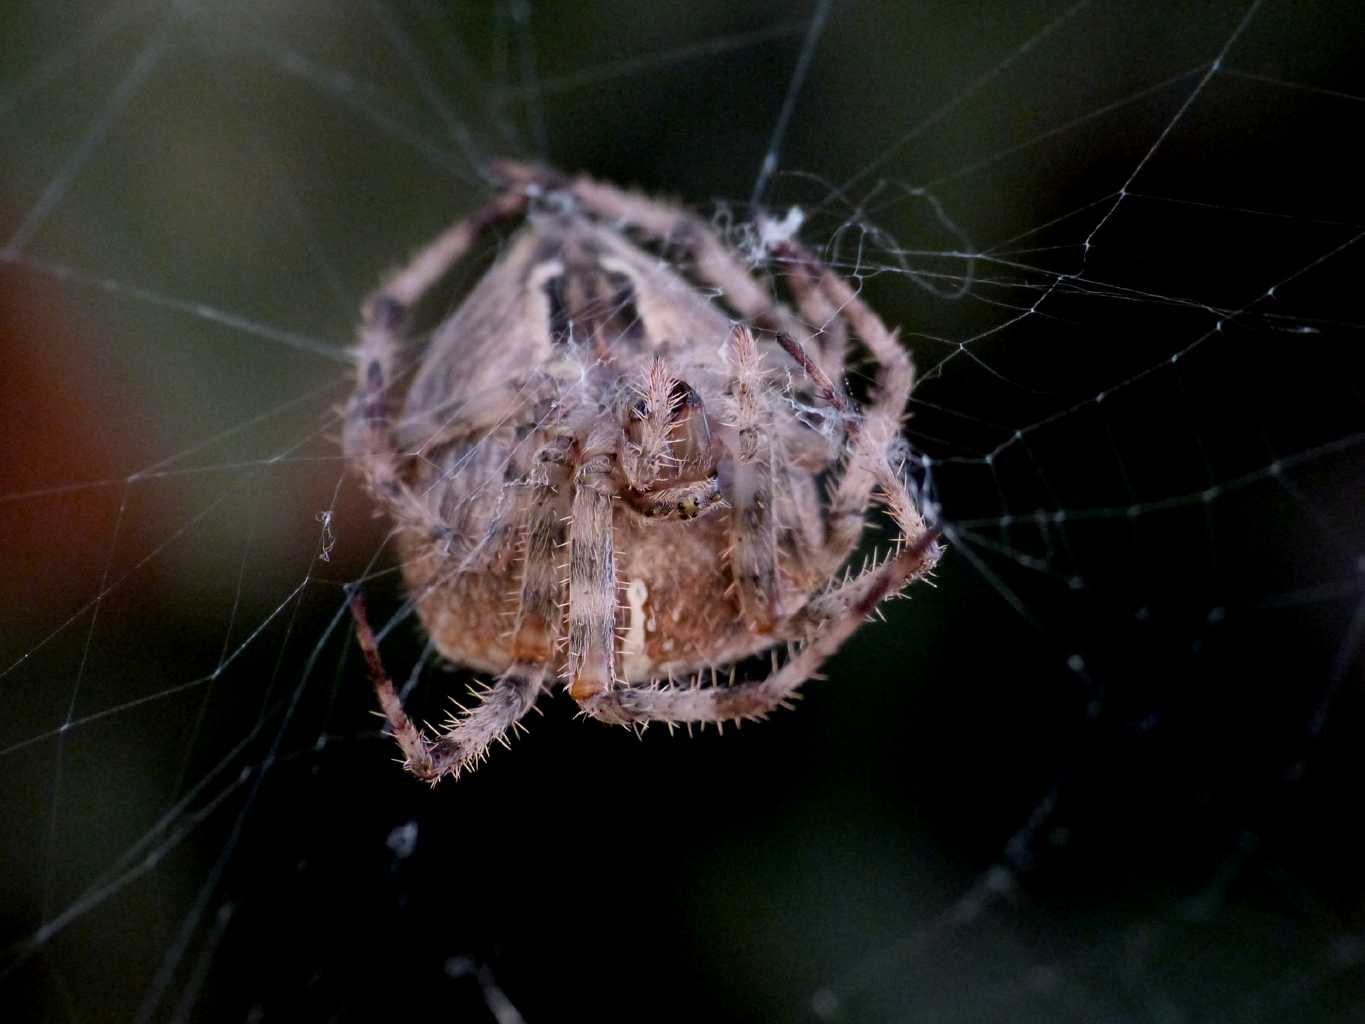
(1107, 768)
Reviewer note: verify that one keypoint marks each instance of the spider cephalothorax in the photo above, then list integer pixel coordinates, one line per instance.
(597, 472)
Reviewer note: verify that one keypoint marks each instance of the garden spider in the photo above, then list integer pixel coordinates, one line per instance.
(596, 472)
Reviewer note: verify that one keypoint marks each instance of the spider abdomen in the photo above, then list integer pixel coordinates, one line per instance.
(676, 612)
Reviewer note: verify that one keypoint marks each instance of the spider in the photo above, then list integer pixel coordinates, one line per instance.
(596, 473)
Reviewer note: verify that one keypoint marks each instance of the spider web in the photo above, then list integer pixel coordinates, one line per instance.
(1105, 769)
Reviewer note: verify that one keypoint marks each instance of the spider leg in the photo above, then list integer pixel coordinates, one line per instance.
(592, 580)
(369, 424)
(752, 700)
(752, 555)
(471, 733)
(542, 591)
(434, 260)
(917, 547)
(824, 319)
(868, 465)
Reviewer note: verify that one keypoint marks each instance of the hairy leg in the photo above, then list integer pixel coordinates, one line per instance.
(873, 434)
(592, 581)
(914, 536)
(539, 607)
(469, 734)
(752, 557)
(830, 338)
(369, 423)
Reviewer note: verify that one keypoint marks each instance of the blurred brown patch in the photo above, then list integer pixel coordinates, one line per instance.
(65, 453)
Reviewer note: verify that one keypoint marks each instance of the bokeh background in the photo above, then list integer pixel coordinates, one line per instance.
(1107, 768)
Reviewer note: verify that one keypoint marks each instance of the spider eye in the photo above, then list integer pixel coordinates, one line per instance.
(640, 409)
